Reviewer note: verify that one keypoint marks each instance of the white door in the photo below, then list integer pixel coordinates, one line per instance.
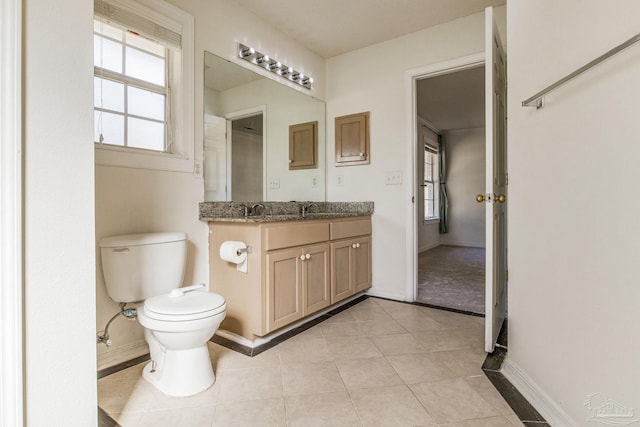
(215, 158)
(496, 183)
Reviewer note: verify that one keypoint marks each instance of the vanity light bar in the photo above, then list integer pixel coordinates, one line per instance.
(264, 61)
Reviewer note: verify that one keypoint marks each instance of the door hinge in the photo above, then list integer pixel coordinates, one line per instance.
(506, 178)
(413, 199)
(506, 275)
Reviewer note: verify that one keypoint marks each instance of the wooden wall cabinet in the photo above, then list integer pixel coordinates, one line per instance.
(303, 146)
(352, 139)
(296, 268)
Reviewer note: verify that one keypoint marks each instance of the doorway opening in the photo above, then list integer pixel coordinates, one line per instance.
(246, 158)
(234, 160)
(450, 166)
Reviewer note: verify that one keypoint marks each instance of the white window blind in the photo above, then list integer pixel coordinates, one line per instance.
(114, 13)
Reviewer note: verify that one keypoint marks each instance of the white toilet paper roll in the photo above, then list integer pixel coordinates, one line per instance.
(230, 252)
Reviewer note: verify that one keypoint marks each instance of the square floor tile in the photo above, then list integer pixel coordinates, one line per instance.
(381, 327)
(465, 362)
(481, 422)
(390, 406)
(341, 329)
(352, 348)
(444, 340)
(250, 384)
(452, 400)
(365, 373)
(420, 367)
(194, 417)
(311, 378)
(321, 410)
(263, 413)
(398, 344)
(308, 350)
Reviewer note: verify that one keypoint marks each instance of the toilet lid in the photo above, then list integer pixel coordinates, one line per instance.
(191, 305)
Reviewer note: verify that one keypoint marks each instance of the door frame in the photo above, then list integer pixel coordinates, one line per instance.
(241, 114)
(11, 217)
(411, 126)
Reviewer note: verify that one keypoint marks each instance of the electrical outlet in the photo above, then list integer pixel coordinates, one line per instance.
(393, 178)
(274, 182)
(314, 181)
(339, 180)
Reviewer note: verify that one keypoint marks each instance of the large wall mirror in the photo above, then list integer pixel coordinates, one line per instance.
(247, 119)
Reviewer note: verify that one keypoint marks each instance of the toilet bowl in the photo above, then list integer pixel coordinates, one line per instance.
(177, 330)
(148, 269)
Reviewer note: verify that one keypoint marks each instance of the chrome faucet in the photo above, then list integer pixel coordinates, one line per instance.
(305, 209)
(255, 207)
(251, 210)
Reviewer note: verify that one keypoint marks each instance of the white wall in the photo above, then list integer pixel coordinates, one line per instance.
(381, 90)
(59, 282)
(573, 206)
(136, 200)
(465, 179)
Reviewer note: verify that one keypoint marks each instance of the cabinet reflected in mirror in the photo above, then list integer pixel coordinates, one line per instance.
(246, 138)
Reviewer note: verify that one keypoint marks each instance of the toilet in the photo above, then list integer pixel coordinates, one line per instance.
(148, 269)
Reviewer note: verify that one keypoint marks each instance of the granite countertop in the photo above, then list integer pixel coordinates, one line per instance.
(262, 212)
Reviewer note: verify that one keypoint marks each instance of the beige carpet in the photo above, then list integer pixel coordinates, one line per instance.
(452, 277)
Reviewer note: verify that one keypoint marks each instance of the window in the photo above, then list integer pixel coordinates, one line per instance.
(130, 89)
(143, 85)
(431, 182)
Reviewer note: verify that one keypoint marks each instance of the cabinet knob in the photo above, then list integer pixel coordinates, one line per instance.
(308, 256)
(357, 245)
(302, 257)
(353, 245)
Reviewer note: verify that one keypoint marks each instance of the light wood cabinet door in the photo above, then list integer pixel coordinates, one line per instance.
(284, 293)
(341, 282)
(303, 145)
(361, 263)
(352, 139)
(316, 278)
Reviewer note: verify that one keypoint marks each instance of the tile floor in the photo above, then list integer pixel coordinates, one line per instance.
(378, 363)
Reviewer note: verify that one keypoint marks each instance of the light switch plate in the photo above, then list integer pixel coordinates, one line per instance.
(339, 180)
(393, 178)
(274, 182)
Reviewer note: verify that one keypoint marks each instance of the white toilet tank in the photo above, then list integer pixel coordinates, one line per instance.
(139, 266)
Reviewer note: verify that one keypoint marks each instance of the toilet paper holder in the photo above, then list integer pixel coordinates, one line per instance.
(248, 250)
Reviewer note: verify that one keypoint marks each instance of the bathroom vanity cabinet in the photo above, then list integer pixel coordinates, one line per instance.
(295, 268)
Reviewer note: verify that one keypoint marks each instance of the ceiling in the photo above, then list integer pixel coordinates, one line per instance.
(333, 27)
(453, 101)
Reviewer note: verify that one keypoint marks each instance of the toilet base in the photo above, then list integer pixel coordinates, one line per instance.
(181, 373)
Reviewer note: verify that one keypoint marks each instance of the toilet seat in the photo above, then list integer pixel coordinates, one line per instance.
(190, 306)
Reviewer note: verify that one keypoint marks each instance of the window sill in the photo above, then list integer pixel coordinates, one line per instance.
(141, 159)
(431, 221)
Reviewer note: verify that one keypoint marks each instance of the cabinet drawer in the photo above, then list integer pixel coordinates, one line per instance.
(345, 229)
(295, 235)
